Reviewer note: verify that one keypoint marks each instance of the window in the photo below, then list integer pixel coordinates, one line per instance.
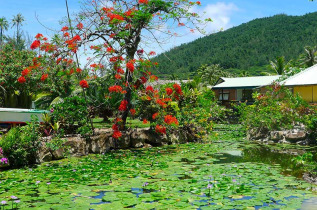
(223, 95)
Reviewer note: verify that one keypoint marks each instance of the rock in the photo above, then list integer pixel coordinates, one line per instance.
(295, 135)
(43, 154)
(58, 154)
(276, 135)
(76, 146)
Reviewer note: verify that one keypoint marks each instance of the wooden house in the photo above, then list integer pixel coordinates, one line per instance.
(240, 89)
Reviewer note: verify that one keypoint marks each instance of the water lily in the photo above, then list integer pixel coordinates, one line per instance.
(14, 197)
(3, 202)
(145, 184)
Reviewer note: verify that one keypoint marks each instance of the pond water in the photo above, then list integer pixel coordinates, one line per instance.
(225, 174)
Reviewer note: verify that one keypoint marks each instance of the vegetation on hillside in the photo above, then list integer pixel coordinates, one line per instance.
(250, 46)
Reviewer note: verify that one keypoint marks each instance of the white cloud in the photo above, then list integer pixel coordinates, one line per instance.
(220, 13)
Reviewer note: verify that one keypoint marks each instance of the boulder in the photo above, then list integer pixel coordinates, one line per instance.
(295, 135)
(43, 154)
(276, 135)
(76, 146)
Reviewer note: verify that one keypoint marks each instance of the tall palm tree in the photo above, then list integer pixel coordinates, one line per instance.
(210, 74)
(279, 65)
(310, 57)
(4, 25)
(17, 21)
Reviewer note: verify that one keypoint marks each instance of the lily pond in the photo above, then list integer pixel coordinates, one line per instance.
(225, 173)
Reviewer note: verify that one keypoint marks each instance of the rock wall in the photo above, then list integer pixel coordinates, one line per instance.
(298, 135)
(103, 142)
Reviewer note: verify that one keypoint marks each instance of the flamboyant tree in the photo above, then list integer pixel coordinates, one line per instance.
(113, 32)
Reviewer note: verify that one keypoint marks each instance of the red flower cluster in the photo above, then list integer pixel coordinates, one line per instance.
(160, 129)
(169, 91)
(145, 121)
(123, 105)
(116, 133)
(169, 119)
(78, 70)
(115, 88)
(38, 36)
(132, 111)
(161, 103)
(130, 66)
(178, 89)
(149, 89)
(35, 44)
(21, 80)
(143, 1)
(154, 116)
(83, 84)
(65, 28)
(25, 72)
(80, 26)
(44, 77)
(114, 17)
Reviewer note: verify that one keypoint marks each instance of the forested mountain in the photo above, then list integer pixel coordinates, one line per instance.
(249, 46)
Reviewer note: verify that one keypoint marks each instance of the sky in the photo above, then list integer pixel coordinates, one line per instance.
(43, 15)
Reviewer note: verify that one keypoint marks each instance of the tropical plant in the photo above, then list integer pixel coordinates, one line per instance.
(279, 65)
(4, 25)
(310, 57)
(17, 22)
(210, 74)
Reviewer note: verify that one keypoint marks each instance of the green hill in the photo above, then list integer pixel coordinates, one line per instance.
(249, 46)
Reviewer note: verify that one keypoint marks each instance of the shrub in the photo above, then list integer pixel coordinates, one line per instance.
(277, 109)
(21, 144)
(71, 114)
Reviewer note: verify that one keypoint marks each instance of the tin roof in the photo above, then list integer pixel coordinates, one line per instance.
(306, 77)
(244, 82)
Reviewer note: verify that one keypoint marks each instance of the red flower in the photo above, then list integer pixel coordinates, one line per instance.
(132, 111)
(116, 134)
(80, 26)
(83, 84)
(149, 89)
(160, 129)
(161, 103)
(154, 116)
(143, 80)
(21, 80)
(117, 76)
(152, 53)
(78, 70)
(130, 66)
(35, 44)
(123, 105)
(115, 127)
(115, 88)
(120, 71)
(77, 38)
(38, 36)
(145, 121)
(178, 89)
(169, 119)
(143, 1)
(169, 91)
(44, 77)
(25, 72)
(65, 28)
